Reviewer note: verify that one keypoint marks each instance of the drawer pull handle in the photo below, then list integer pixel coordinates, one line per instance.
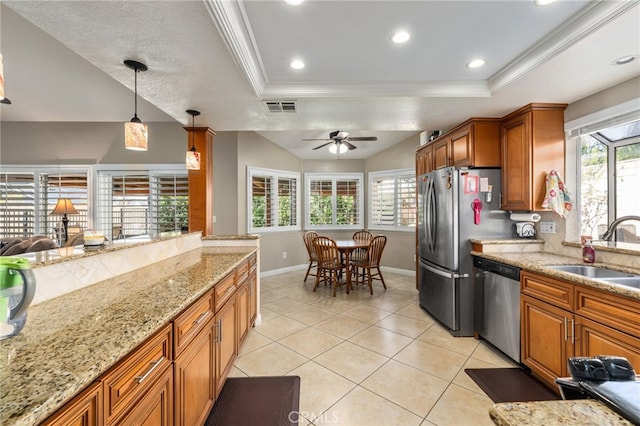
(154, 365)
(200, 318)
(229, 289)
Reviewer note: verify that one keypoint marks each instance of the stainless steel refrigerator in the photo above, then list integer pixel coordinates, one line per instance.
(455, 205)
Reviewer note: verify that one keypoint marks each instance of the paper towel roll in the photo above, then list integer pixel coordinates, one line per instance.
(525, 217)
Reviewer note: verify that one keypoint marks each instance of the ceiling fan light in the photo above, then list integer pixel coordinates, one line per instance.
(135, 135)
(476, 63)
(297, 64)
(335, 150)
(400, 37)
(294, 2)
(542, 3)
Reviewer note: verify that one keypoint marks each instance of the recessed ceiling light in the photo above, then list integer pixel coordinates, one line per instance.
(297, 64)
(400, 37)
(543, 2)
(294, 2)
(624, 60)
(476, 63)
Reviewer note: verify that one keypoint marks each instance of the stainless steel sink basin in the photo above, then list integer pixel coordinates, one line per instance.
(592, 271)
(633, 281)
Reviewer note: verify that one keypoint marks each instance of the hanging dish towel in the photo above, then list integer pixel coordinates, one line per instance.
(558, 196)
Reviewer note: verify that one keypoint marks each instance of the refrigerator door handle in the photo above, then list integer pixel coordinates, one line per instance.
(442, 273)
(432, 214)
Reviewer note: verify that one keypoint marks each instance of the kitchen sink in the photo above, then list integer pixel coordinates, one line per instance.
(633, 281)
(592, 271)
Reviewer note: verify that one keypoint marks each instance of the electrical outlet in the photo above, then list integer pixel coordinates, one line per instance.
(547, 227)
(284, 254)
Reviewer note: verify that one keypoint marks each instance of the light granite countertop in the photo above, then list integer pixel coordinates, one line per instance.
(583, 412)
(539, 261)
(69, 341)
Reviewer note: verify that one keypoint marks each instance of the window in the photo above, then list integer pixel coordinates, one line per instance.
(145, 202)
(609, 175)
(333, 201)
(273, 203)
(392, 200)
(28, 197)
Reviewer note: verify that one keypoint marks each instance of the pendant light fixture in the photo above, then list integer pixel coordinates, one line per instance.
(3, 100)
(135, 131)
(193, 156)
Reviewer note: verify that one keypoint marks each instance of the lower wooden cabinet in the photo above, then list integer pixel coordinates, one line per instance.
(155, 408)
(226, 341)
(244, 299)
(561, 319)
(195, 380)
(546, 343)
(253, 289)
(84, 410)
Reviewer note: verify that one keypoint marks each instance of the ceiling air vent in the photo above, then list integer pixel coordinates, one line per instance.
(281, 106)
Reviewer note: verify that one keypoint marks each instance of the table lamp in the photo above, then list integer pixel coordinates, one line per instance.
(64, 207)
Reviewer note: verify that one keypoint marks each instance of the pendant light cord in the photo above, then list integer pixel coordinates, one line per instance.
(135, 92)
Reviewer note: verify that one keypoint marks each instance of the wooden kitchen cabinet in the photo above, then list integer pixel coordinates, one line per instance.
(195, 379)
(560, 319)
(226, 341)
(83, 410)
(424, 159)
(243, 299)
(253, 289)
(132, 380)
(441, 152)
(476, 143)
(155, 407)
(532, 145)
(194, 365)
(546, 342)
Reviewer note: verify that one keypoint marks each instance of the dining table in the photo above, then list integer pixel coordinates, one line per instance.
(346, 247)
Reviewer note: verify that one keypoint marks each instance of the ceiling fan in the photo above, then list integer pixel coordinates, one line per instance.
(340, 140)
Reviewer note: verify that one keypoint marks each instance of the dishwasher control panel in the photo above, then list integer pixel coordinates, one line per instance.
(508, 271)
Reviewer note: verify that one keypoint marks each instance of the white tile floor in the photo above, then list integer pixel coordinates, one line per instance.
(366, 360)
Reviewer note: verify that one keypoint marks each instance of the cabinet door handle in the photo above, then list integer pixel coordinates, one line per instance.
(566, 332)
(220, 330)
(154, 365)
(573, 331)
(200, 318)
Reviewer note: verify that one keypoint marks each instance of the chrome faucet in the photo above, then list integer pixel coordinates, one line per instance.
(607, 236)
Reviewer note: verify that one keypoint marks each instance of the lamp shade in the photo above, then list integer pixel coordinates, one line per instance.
(193, 160)
(135, 136)
(64, 206)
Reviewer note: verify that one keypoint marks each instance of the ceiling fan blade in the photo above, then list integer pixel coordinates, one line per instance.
(316, 139)
(363, 138)
(323, 145)
(349, 145)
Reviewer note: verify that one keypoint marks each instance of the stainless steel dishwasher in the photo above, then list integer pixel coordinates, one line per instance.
(497, 305)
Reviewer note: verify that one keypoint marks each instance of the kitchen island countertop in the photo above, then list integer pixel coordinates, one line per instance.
(582, 412)
(70, 341)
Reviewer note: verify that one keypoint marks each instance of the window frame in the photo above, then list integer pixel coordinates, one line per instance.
(275, 175)
(589, 125)
(396, 175)
(334, 177)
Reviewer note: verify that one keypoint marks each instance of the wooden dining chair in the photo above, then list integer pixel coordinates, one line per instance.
(308, 238)
(361, 253)
(330, 264)
(370, 264)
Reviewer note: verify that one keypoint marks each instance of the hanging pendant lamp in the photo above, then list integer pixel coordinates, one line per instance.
(3, 100)
(193, 156)
(135, 131)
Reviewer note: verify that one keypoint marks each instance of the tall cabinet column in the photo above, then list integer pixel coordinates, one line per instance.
(201, 181)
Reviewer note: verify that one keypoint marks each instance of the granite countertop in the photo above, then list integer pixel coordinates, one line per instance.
(539, 261)
(583, 412)
(68, 342)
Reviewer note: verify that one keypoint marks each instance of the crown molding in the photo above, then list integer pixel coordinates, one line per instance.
(588, 20)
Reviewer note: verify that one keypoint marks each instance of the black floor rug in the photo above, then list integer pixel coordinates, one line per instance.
(257, 401)
(510, 385)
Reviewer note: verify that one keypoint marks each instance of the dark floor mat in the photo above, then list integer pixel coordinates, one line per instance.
(510, 385)
(257, 401)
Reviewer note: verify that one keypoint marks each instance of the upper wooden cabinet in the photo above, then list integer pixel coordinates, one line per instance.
(532, 146)
(474, 143)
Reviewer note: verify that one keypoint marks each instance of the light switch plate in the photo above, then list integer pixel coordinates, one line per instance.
(547, 227)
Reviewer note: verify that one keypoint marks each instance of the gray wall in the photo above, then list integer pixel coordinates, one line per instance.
(225, 184)
(87, 143)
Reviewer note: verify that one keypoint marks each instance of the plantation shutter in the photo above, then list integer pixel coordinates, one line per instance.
(321, 202)
(287, 197)
(383, 201)
(169, 208)
(63, 185)
(18, 204)
(347, 202)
